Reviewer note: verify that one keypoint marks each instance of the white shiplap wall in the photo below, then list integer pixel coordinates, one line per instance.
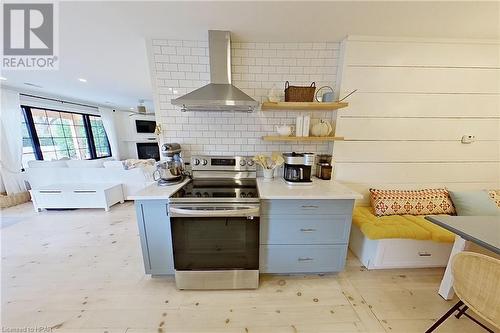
(179, 67)
(415, 100)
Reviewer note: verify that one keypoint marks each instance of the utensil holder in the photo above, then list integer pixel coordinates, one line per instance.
(268, 173)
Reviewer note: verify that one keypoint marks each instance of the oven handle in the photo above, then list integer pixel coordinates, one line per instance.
(250, 211)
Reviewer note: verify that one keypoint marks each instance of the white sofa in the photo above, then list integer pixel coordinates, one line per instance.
(105, 170)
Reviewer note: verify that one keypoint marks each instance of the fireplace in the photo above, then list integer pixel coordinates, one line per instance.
(148, 150)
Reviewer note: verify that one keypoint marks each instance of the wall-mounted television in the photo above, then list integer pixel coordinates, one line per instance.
(145, 126)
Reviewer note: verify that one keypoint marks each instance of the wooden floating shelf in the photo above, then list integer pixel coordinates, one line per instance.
(303, 138)
(303, 106)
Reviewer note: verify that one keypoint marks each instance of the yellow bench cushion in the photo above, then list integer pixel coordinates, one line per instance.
(398, 226)
(438, 234)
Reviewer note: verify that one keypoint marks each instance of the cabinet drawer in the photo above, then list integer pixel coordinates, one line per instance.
(305, 229)
(302, 258)
(290, 207)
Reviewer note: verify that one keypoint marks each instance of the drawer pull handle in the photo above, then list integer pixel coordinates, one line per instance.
(305, 259)
(310, 206)
(85, 191)
(50, 191)
(308, 230)
(424, 254)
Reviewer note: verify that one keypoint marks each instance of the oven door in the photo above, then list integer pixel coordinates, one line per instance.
(216, 246)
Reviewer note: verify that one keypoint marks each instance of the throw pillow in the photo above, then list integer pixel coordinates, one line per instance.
(474, 203)
(411, 202)
(495, 195)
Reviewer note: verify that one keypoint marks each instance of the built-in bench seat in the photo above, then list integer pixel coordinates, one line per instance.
(398, 241)
(398, 226)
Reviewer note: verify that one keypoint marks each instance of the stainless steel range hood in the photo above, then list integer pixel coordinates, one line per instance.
(219, 94)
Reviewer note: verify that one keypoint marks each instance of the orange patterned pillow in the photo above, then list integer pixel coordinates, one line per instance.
(495, 195)
(411, 202)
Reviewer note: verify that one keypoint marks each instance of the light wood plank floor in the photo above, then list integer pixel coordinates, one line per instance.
(81, 271)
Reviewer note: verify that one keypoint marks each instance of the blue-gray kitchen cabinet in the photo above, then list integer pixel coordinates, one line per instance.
(304, 236)
(155, 235)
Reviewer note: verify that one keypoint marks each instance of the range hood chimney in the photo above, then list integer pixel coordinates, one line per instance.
(219, 94)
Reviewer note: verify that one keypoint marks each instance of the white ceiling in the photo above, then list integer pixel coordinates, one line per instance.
(104, 42)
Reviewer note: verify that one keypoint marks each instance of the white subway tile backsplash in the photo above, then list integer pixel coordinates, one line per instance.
(198, 51)
(247, 61)
(312, 54)
(247, 45)
(240, 69)
(200, 68)
(240, 52)
(174, 43)
(255, 53)
(175, 59)
(182, 66)
(178, 75)
(189, 43)
(202, 44)
(261, 46)
(160, 42)
(203, 60)
(192, 75)
(183, 50)
(269, 53)
(262, 61)
(191, 59)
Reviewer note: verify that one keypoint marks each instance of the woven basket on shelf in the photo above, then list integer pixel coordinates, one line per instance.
(299, 94)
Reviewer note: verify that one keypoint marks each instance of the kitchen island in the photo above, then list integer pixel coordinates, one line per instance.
(303, 229)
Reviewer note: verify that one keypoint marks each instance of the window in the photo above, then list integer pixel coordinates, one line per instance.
(101, 142)
(52, 135)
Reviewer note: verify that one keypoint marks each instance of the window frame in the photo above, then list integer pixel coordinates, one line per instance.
(35, 140)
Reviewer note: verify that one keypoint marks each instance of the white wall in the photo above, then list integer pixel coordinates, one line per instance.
(415, 100)
(179, 67)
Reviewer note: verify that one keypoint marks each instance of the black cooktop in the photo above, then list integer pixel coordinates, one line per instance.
(218, 188)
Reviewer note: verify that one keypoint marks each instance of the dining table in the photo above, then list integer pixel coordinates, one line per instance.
(481, 230)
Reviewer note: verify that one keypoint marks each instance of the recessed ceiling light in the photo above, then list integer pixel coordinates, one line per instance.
(3, 78)
(132, 108)
(82, 80)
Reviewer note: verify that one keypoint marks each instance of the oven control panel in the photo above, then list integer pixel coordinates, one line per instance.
(223, 163)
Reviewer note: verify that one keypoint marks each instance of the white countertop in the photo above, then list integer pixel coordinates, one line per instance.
(319, 189)
(268, 189)
(154, 192)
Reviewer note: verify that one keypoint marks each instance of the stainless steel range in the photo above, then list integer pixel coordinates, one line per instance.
(215, 225)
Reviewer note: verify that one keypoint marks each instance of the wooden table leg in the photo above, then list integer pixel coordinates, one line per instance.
(446, 287)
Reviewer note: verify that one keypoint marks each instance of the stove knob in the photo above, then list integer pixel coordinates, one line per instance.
(243, 195)
(206, 195)
(204, 162)
(250, 162)
(196, 161)
(197, 194)
(250, 195)
(243, 162)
